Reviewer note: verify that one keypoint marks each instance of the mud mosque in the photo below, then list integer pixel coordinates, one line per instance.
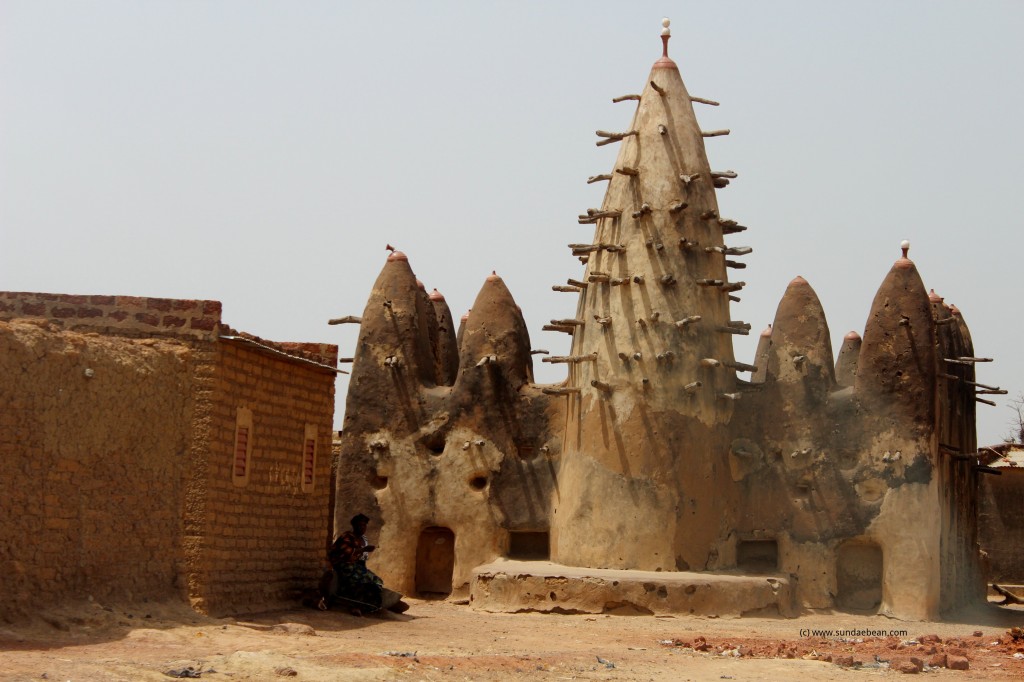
(661, 476)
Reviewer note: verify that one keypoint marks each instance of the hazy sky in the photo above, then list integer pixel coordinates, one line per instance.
(263, 153)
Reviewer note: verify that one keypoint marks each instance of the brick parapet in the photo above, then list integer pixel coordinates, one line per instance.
(131, 316)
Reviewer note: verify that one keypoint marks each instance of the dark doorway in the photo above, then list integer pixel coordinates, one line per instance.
(524, 544)
(435, 562)
(758, 556)
(859, 576)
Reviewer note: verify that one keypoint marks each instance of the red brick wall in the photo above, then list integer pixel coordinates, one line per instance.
(122, 315)
(258, 546)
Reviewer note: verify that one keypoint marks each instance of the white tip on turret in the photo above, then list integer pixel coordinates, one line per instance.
(666, 31)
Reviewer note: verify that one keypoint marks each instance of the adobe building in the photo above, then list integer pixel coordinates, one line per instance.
(664, 475)
(148, 451)
(1001, 519)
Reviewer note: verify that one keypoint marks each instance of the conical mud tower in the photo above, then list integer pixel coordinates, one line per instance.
(644, 481)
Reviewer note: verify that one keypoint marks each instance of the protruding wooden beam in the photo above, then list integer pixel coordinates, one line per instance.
(688, 320)
(709, 362)
(719, 183)
(730, 226)
(735, 264)
(573, 290)
(734, 299)
(598, 213)
(638, 355)
(558, 328)
(995, 391)
(623, 356)
(658, 89)
(667, 355)
(613, 137)
(667, 279)
(693, 386)
(701, 100)
(723, 174)
(487, 360)
(733, 286)
(619, 281)
(979, 385)
(540, 351)
(688, 178)
(710, 214)
(598, 178)
(348, 319)
(706, 282)
(638, 279)
(568, 390)
(738, 250)
(599, 277)
(740, 366)
(662, 130)
(627, 170)
(966, 361)
(393, 361)
(576, 283)
(715, 133)
(677, 207)
(603, 321)
(733, 330)
(624, 98)
(982, 400)
(687, 244)
(642, 211)
(730, 396)
(739, 324)
(570, 359)
(571, 322)
(601, 385)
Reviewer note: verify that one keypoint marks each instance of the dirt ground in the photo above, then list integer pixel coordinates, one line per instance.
(438, 640)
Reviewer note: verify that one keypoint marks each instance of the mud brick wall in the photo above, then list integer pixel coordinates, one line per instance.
(1001, 524)
(121, 315)
(90, 505)
(259, 545)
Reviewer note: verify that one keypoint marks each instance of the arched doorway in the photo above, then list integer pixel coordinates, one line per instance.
(435, 561)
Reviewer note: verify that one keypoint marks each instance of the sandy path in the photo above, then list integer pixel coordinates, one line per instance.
(441, 640)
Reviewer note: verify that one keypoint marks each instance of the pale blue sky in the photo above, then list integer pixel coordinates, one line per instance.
(263, 153)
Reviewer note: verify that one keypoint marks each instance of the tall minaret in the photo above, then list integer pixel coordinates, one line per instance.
(644, 482)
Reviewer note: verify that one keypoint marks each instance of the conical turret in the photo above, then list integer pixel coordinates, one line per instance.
(897, 358)
(446, 349)
(801, 353)
(846, 363)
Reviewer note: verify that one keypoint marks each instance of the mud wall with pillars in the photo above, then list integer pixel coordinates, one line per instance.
(258, 543)
(91, 505)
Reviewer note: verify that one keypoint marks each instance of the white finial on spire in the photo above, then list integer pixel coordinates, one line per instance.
(666, 31)
(905, 245)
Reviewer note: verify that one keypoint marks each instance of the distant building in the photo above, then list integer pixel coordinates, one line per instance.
(149, 451)
(1001, 518)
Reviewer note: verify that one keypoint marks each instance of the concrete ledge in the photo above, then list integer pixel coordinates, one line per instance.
(513, 586)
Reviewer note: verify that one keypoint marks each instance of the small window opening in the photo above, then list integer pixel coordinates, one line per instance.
(529, 545)
(308, 459)
(758, 556)
(241, 462)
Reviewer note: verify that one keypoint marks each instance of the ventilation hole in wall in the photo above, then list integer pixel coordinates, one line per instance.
(552, 596)
(379, 482)
(434, 442)
(478, 482)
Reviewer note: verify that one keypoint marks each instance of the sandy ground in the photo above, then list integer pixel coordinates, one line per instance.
(443, 640)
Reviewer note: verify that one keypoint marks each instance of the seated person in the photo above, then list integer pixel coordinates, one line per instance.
(350, 580)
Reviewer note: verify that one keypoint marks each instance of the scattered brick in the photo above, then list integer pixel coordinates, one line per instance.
(211, 307)
(147, 318)
(33, 309)
(63, 312)
(206, 323)
(90, 312)
(161, 304)
(118, 315)
(937, 661)
(102, 300)
(957, 663)
(73, 298)
(173, 321)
